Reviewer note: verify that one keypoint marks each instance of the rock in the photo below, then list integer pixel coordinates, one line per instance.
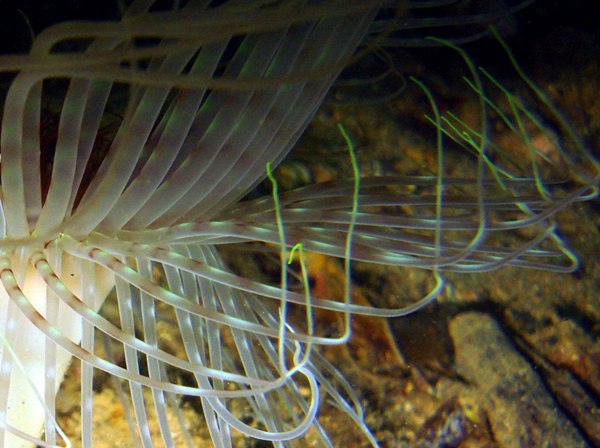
(520, 410)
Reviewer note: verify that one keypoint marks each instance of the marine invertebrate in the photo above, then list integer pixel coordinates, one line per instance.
(210, 96)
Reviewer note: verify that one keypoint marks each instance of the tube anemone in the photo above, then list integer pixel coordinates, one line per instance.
(212, 95)
(164, 121)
